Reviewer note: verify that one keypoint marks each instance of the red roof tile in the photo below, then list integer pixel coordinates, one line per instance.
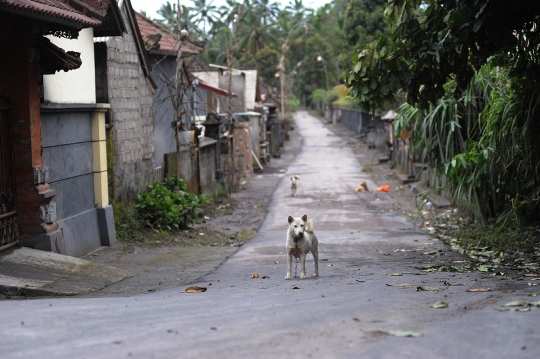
(58, 9)
(168, 43)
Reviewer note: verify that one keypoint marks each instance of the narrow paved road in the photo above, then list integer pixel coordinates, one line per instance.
(344, 313)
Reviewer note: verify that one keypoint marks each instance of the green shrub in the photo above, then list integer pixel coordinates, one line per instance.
(168, 206)
(128, 226)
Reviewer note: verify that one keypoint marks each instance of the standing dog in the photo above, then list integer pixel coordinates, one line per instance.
(300, 241)
(293, 183)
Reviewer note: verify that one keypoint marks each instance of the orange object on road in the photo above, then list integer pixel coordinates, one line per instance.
(385, 188)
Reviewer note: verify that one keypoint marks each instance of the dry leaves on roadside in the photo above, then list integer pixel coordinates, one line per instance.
(401, 333)
(476, 290)
(440, 305)
(401, 285)
(254, 275)
(427, 289)
(520, 305)
(195, 289)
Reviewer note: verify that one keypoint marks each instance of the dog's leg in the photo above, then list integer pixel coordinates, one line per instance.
(303, 263)
(289, 265)
(315, 253)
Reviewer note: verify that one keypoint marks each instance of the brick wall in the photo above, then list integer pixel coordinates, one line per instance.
(130, 97)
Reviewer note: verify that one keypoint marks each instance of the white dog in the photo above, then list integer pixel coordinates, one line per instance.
(293, 183)
(300, 241)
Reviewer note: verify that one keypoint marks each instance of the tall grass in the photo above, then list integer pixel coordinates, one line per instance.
(485, 145)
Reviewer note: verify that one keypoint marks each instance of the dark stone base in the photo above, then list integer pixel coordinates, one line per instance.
(107, 230)
(50, 242)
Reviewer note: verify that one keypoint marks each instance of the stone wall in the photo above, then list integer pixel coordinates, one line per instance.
(130, 96)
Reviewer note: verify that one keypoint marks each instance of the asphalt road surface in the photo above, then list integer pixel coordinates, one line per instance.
(349, 311)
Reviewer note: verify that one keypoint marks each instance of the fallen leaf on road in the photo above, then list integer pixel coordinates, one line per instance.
(401, 285)
(475, 290)
(195, 289)
(265, 277)
(404, 250)
(254, 275)
(448, 284)
(430, 253)
(522, 303)
(295, 287)
(402, 333)
(427, 289)
(532, 295)
(439, 305)
(396, 275)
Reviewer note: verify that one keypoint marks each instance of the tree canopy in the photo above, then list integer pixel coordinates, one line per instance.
(431, 41)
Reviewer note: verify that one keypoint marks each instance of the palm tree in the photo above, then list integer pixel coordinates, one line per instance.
(254, 35)
(267, 11)
(229, 11)
(168, 13)
(297, 8)
(205, 14)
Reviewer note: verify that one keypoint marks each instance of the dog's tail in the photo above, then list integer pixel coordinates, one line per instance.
(309, 226)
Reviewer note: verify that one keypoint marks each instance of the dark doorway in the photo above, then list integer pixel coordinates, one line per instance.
(9, 221)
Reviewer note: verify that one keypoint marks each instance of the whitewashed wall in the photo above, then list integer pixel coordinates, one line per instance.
(75, 86)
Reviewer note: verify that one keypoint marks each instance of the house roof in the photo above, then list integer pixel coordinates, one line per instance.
(75, 13)
(113, 24)
(139, 43)
(216, 90)
(162, 41)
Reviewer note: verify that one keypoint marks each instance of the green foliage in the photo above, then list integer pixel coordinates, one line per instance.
(482, 143)
(363, 23)
(293, 104)
(449, 39)
(267, 60)
(127, 224)
(168, 206)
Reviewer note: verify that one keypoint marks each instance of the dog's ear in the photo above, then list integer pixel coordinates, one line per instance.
(290, 219)
(304, 217)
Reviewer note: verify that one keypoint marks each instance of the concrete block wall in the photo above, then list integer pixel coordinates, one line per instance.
(207, 166)
(130, 97)
(67, 152)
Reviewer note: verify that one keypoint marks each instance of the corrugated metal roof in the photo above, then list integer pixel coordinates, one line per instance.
(52, 8)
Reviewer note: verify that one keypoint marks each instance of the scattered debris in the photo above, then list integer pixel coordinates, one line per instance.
(476, 290)
(400, 333)
(362, 188)
(385, 188)
(401, 285)
(265, 277)
(195, 289)
(440, 305)
(421, 288)
(254, 275)
(520, 305)
(448, 284)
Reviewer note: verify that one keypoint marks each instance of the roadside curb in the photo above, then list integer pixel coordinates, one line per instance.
(35, 273)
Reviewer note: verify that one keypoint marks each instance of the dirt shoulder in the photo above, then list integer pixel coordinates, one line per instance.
(161, 262)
